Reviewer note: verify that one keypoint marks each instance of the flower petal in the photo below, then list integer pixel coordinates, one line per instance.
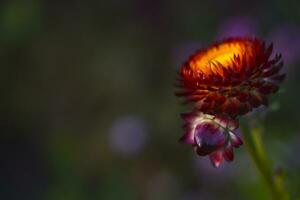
(188, 117)
(236, 141)
(216, 158)
(188, 137)
(228, 153)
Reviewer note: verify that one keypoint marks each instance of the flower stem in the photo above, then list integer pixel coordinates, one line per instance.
(256, 150)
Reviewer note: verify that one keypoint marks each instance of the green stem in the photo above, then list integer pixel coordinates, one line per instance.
(256, 150)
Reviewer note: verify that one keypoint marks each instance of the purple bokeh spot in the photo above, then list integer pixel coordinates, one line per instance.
(128, 135)
(286, 40)
(237, 27)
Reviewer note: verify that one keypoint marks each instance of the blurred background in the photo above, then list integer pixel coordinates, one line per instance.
(88, 108)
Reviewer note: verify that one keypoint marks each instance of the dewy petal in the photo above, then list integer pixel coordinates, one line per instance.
(216, 158)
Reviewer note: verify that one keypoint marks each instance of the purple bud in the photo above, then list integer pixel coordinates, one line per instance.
(208, 137)
(211, 135)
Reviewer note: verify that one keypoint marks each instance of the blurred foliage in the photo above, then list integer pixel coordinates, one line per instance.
(71, 69)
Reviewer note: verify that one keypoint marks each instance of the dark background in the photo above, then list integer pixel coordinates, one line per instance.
(87, 98)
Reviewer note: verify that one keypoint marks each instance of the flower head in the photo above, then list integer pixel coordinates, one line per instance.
(231, 77)
(224, 81)
(211, 135)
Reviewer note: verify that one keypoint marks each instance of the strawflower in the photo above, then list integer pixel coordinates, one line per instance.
(224, 81)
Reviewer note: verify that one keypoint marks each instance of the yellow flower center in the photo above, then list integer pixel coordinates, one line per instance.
(208, 61)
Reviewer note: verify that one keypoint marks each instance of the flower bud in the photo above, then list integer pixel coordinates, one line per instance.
(211, 135)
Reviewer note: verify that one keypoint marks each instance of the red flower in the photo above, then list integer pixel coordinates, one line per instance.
(227, 79)
(231, 77)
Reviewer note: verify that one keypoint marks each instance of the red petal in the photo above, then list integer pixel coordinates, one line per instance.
(188, 117)
(231, 107)
(242, 96)
(268, 88)
(228, 153)
(254, 100)
(216, 158)
(188, 137)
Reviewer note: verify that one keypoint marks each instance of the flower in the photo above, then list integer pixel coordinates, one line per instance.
(211, 135)
(228, 79)
(231, 77)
